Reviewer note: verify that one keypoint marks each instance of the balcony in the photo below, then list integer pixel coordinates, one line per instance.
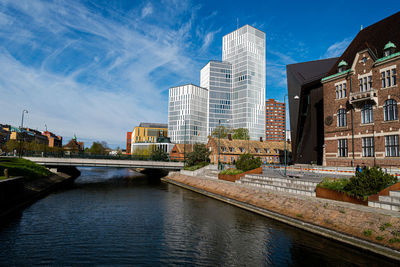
(359, 98)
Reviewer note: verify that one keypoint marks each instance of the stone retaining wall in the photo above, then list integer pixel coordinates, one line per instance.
(378, 227)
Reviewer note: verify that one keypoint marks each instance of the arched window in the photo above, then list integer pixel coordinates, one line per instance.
(367, 114)
(390, 110)
(341, 118)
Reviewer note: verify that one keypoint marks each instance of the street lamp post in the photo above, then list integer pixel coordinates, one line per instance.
(296, 97)
(184, 147)
(22, 126)
(219, 139)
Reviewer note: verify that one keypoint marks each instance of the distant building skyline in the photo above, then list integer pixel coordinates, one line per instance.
(275, 120)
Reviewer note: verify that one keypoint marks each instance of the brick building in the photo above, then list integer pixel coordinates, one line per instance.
(53, 140)
(231, 149)
(275, 120)
(361, 94)
(128, 142)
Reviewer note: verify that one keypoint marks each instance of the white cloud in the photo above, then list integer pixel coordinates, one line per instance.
(80, 72)
(147, 10)
(208, 39)
(336, 49)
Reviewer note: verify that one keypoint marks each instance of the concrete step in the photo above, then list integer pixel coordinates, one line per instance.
(384, 205)
(394, 193)
(283, 180)
(389, 199)
(278, 188)
(278, 183)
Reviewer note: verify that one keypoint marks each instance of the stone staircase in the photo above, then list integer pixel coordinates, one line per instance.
(211, 173)
(282, 184)
(390, 202)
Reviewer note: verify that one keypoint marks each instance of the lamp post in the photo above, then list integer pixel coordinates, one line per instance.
(22, 126)
(184, 147)
(296, 97)
(219, 139)
(45, 145)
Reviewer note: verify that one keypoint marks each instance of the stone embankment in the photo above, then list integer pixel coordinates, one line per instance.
(365, 227)
(17, 193)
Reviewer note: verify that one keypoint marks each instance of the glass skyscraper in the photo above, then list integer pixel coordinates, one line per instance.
(235, 88)
(216, 76)
(187, 114)
(245, 50)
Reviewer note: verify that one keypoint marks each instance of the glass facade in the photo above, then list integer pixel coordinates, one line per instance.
(216, 76)
(245, 50)
(187, 114)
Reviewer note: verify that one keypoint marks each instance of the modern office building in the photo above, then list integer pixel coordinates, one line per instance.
(245, 50)
(188, 114)
(361, 95)
(307, 113)
(235, 86)
(275, 120)
(148, 132)
(216, 76)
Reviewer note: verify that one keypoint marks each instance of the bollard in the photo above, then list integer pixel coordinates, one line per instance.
(6, 173)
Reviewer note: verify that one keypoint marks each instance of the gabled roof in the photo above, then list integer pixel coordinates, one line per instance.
(249, 144)
(374, 38)
(180, 148)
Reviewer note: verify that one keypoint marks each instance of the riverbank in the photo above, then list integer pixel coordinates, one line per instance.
(19, 192)
(368, 228)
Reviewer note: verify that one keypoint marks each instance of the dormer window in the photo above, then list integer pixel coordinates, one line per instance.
(342, 66)
(389, 49)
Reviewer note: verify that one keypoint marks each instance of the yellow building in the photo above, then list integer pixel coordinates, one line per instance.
(148, 132)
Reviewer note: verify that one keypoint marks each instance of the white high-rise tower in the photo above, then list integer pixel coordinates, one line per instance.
(245, 50)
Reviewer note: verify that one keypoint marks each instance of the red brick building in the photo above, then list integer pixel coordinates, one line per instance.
(128, 142)
(361, 96)
(275, 120)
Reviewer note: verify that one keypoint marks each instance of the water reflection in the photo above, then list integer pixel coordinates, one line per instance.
(114, 217)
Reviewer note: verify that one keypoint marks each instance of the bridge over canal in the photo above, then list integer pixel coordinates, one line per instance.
(121, 163)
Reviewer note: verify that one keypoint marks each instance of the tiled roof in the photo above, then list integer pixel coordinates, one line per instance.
(374, 38)
(180, 148)
(239, 145)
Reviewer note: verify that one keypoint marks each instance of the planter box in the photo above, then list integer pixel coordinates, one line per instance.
(235, 177)
(384, 192)
(339, 196)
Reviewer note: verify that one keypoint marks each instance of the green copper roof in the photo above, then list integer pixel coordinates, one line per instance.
(388, 57)
(342, 63)
(389, 45)
(335, 75)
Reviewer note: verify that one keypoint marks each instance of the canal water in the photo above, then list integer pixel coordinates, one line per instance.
(109, 219)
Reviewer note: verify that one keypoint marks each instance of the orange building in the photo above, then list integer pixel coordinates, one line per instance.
(275, 120)
(54, 140)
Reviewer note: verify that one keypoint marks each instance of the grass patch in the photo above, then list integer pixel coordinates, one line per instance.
(368, 232)
(299, 215)
(231, 171)
(342, 211)
(196, 167)
(379, 238)
(325, 205)
(334, 184)
(23, 167)
(394, 240)
(384, 226)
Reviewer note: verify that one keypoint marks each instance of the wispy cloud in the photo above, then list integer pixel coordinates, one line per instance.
(147, 10)
(336, 49)
(96, 74)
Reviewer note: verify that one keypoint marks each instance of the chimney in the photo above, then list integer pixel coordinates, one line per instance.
(230, 137)
(261, 139)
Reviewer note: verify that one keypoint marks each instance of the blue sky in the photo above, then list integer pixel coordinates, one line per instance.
(98, 68)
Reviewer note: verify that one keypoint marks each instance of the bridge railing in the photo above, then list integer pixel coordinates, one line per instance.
(95, 156)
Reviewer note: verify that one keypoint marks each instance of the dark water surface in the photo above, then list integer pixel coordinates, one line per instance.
(107, 219)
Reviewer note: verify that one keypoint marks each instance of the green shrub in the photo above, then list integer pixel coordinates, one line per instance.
(380, 238)
(334, 184)
(23, 167)
(231, 171)
(158, 154)
(196, 167)
(369, 182)
(247, 162)
(368, 232)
